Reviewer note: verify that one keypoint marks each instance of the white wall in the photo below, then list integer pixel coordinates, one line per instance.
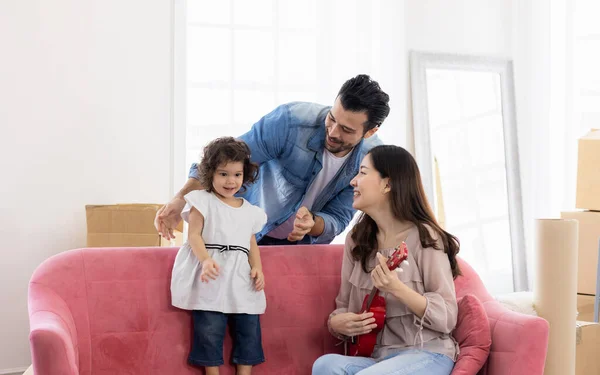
(460, 26)
(84, 119)
(473, 27)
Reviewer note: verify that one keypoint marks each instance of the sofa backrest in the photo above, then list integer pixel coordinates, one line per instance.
(124, 322)
(470, 283)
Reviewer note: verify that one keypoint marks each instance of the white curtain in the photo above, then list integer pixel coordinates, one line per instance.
(557, 55)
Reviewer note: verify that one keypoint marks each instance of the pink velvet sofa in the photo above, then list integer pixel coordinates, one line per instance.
(107, 311)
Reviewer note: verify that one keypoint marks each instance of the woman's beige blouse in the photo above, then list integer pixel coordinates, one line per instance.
(428, 272)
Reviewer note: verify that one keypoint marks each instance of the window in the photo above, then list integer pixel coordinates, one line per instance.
(242, 61)
(243, 58)
(467, 130)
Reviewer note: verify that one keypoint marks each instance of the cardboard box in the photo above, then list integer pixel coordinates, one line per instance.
(585, 307)
(588, 177)
(126, 225)
(587, 262)
(587, 360)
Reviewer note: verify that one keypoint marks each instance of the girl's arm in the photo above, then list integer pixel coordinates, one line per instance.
(210, 269)
(196, 224)
(254, 256)
(256, 265)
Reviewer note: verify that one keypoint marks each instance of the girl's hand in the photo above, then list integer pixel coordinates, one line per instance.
(351, 324)
(259, 278)
(210, 270)
(384, 279)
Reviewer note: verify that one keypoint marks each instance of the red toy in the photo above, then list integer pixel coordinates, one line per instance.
(363, 345)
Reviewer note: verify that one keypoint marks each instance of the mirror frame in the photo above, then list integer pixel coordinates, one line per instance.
(419, 62)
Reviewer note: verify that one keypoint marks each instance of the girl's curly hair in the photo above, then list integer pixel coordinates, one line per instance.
(222, 151)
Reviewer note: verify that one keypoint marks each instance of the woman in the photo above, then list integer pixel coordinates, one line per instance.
(421, 301)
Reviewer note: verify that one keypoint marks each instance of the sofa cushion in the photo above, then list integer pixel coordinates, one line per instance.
(473, 335)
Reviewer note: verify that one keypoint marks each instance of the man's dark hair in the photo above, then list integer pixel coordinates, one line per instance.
(362, 94)
(222, 151)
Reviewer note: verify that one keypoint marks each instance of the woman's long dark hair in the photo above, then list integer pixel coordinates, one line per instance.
(408, 202)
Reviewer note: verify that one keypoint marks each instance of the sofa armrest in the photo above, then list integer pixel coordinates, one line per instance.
(519, 342)
(52, 335)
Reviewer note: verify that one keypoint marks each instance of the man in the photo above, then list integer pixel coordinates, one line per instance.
(307, 153)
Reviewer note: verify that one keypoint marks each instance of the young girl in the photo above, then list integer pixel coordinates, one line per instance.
(421, 301)
(218, 273)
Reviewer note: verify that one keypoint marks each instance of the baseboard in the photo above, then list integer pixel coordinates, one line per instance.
(14, 371)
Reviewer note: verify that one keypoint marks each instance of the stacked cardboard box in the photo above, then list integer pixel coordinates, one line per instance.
(126, 225)
(588, 177)
(587, 255)
(585, 308)
(588, 200)
(588, 342)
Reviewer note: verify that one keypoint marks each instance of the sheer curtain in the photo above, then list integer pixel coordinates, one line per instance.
(586, 76)
(239, 59)
(557, 55)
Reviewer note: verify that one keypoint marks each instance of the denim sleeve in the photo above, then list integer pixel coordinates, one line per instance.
(193, 171)
(266, 139)
(336, 214)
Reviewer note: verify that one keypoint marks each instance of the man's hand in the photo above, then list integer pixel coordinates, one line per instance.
(259, 278)
(351, 324)
(168, 217)
(302, 224)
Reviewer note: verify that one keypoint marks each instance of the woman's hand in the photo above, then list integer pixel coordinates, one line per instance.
(351, 324)
(384, 279)
(259, 278)
(210, 270)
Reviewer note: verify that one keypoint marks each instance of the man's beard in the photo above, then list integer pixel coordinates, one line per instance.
(339, 147)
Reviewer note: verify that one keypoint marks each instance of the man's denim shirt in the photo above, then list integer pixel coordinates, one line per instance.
(288, 145)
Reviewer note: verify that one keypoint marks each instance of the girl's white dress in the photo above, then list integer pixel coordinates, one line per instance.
(226, 233)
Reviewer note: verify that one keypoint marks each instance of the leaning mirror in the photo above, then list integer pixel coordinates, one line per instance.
(466, 148)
